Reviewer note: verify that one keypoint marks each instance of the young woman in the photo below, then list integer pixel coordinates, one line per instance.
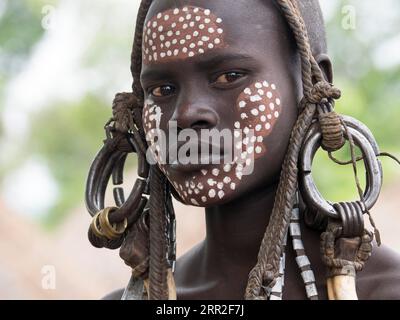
(260, 67)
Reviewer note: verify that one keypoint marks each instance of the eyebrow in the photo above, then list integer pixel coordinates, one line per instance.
(201, 62)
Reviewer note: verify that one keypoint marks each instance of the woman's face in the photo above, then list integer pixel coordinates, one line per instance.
(210, 67)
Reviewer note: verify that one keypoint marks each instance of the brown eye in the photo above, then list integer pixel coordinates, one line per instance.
(163, 91)
(229, 77)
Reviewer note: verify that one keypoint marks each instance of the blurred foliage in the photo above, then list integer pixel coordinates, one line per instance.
(369, 94)
(69, 134)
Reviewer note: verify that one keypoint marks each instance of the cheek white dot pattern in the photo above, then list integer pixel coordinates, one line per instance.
(171, 29)
(214, 184)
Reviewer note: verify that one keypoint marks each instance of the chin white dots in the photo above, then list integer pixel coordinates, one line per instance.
(278, 102)
(217, 41)
(154, 24)
(267, 126)
(237, 125)
(227, 167)
(276, 114)
(227, 180)
(219, 20)
(221, 194)
(220, 31)
(233, 186)
(211, 30)
(201, 26)
(247, 91)
(204, 199)
(269, 94)
(254, 112)
(194, 202)
(258, 149)
(176, 11)
(212, 193)
(215, 172)
(191, 54)
(258, 85)
(207, 12)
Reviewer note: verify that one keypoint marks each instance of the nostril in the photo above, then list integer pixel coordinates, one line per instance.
(201, 124)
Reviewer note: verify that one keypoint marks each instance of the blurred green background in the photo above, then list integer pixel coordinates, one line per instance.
(61, 62)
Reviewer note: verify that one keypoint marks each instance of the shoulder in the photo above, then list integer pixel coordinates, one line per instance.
(380, 279)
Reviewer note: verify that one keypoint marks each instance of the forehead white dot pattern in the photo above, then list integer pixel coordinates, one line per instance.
(168, 35)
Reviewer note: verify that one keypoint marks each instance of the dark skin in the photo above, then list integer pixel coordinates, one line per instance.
(218, 267)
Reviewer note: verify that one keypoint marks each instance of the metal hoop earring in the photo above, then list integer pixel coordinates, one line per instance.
(110, 162)
(350, 213)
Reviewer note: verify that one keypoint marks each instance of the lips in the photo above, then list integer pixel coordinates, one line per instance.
(198, 155)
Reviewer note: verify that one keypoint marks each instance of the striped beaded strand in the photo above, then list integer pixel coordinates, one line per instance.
(301, 258)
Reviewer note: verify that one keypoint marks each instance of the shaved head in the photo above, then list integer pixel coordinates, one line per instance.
(314, 21)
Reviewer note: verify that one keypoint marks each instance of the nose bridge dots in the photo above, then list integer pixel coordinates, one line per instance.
(181, 33)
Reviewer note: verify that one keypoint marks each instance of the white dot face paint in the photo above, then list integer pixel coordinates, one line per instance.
(217, 182)
(172, 28)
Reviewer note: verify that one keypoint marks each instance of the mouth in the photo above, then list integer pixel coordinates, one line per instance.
(196, 157)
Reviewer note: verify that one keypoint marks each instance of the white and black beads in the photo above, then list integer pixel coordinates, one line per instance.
(277, 289)
(301, 258)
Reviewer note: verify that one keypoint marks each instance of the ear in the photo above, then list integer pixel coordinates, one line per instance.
(325, 64)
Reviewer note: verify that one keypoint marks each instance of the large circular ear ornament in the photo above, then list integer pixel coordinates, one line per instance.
(109, 224)
(345, 245)
(318, 209)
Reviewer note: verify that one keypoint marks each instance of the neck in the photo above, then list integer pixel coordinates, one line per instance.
(234, 231)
